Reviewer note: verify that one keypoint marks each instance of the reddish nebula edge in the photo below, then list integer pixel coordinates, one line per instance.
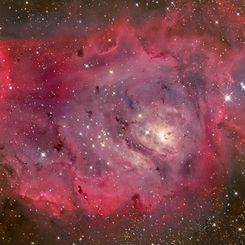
(128, 119)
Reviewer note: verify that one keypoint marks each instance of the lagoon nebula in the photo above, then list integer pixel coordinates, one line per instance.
(122, 123)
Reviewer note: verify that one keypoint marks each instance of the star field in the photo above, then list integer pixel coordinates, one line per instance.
(122, 122)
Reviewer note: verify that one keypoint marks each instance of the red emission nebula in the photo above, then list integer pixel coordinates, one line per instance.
(127, 120)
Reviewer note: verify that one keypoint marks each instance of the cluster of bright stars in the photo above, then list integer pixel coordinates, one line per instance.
(228, 97)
